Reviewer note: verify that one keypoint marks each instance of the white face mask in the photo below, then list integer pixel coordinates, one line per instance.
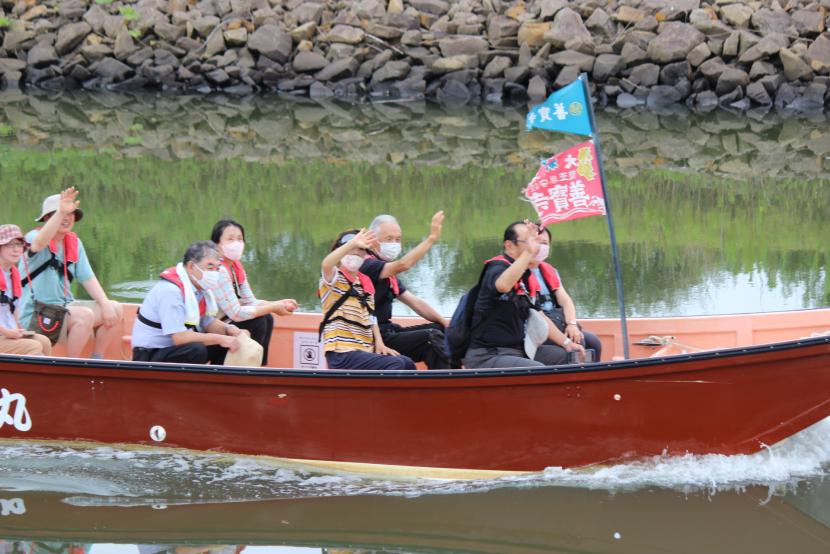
(542, 254)
(233, 250)
(351, 263)
(389, 250)
(209, 280)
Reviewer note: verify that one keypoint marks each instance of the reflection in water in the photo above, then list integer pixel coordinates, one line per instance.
(714, 214)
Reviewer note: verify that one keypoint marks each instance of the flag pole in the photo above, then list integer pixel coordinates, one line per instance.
(614, 254)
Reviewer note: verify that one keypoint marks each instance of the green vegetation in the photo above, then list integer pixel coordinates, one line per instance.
(128, 13)
(5, 22)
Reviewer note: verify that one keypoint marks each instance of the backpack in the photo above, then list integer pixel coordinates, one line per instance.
(459, 333)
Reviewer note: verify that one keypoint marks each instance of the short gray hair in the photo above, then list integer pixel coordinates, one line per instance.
(380, 220)
(200, 250)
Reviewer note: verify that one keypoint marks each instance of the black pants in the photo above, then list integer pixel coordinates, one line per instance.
(260, 328)
(191, 353)
(591, 341)
(421, 343)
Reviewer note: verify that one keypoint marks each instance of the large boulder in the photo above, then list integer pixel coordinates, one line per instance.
(532, 33)
(646, 74)
(818, 55)
(808, 22)
(737, 15)
(567, 28)
(607, 65)
(308, 62)
(111, 69)
(674, 42)
(340, 69)
(795, 67)
(345, 34)
(730, 79)
(769, 21)
(462, 45)
(42, 54)
(570, 57)
(272, 42)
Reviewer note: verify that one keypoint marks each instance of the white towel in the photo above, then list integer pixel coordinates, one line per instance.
(191, 306)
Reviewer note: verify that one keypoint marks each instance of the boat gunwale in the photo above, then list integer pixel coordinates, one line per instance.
(614, 366)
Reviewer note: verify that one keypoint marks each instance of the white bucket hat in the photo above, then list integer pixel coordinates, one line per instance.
(536, 332)
(51, 204)
(249, 353)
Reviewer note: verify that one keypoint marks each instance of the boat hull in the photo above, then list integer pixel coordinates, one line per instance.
(468, 422)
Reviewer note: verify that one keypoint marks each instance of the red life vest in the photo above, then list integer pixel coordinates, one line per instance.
(170, 274)
(17, 287)
(393, 280)
(518, 287)
(70, 247)
(235, 269)
(365, 281)
(549, 274)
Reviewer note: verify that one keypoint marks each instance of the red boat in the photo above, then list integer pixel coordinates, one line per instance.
(757, 383)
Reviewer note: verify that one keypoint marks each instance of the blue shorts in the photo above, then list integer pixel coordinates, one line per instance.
(358, 359)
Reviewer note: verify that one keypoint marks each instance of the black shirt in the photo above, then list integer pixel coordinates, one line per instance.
(384, 296)
(506, 327)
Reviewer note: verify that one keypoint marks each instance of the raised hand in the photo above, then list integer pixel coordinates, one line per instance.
(69, 201)
(532, 237)
(435, 225)
(365, 239)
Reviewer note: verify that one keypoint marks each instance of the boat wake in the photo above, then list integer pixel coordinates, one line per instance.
(109, 476)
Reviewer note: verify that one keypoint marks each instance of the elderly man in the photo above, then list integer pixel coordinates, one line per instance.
(56, 258)
(175, 322)
(421, 343)
(507, 294)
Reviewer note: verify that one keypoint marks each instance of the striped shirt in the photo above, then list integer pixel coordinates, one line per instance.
(350, 327)
(241, 308)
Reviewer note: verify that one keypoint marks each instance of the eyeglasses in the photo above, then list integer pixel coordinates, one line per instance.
(17, 244)
(517, 241)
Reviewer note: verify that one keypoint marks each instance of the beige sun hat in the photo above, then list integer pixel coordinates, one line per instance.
(51, 204)
(536, 332)
(249, 353)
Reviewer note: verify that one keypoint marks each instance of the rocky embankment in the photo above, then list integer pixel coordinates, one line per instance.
(655, 52)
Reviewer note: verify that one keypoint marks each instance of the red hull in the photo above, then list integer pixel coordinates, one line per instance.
(725, 402)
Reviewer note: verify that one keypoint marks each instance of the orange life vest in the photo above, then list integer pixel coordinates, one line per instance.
(393, 280)
(170, 274)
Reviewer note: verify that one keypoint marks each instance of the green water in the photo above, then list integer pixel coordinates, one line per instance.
(713, 214)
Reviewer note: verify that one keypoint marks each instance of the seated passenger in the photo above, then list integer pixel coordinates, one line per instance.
(556, 303)
(503, 307)
(234, 296)
(175, 322)
(351, 338)
(13, 338)
(56, 258)
(421, 343)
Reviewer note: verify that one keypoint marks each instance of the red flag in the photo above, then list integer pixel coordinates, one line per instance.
(567, 186)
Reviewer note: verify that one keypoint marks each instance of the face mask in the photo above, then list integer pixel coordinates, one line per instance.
(542, 254)
(209, 280)
(233, 250)
(351, 263)
(389, 250)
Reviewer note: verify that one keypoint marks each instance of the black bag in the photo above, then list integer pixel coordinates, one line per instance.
(557, 316)
(48, 320)
(459, 333)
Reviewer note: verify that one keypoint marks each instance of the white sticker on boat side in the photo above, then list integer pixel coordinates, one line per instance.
(12, 507)
(17, 417)
(306, 350)
(158, 433)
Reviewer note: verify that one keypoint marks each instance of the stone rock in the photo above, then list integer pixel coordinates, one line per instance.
(567, 26)
(711, 69)
(758, 94)
(537, 88)
(205, 25)
(566, 76)
(795, 68)
(808, 22)
(705, 21)
(13, 39)
(731, 45)
(434, 7)
(112, 25)
(140, 57)
(730, 79)
(391, 70)
(394, 7)
(453, 93)
(168, 31)
(500, 27)
(570, 57)
(319, 90)
(236, 37)
(94, 52)
(662, 95)
(699, 54)
(818, 55)
(675, 73)
(607, 65)
(111, 69)
(42, 54)
(342, 68)
(632, 54)
(706, 101)
(307, 62)
(71, 36)
(95, 17)
(516, 74)
(346, 34)
(737, 15)
(305, 31)
(384, 31)
(215, 44)
(411, 38)
(626, 101)
(674, 42)
(532, 33)
(549, 8)
(769, 21)
(601, 23)
(627, 14)
(767, 46)
(454, 63)
(460, 45)
(272, 42)
(8, 65)
(308, 13)
(646, 75)
(218, 77)
(761, 69)
(496, 67)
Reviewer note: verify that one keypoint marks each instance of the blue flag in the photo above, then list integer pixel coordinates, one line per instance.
(565, 110)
